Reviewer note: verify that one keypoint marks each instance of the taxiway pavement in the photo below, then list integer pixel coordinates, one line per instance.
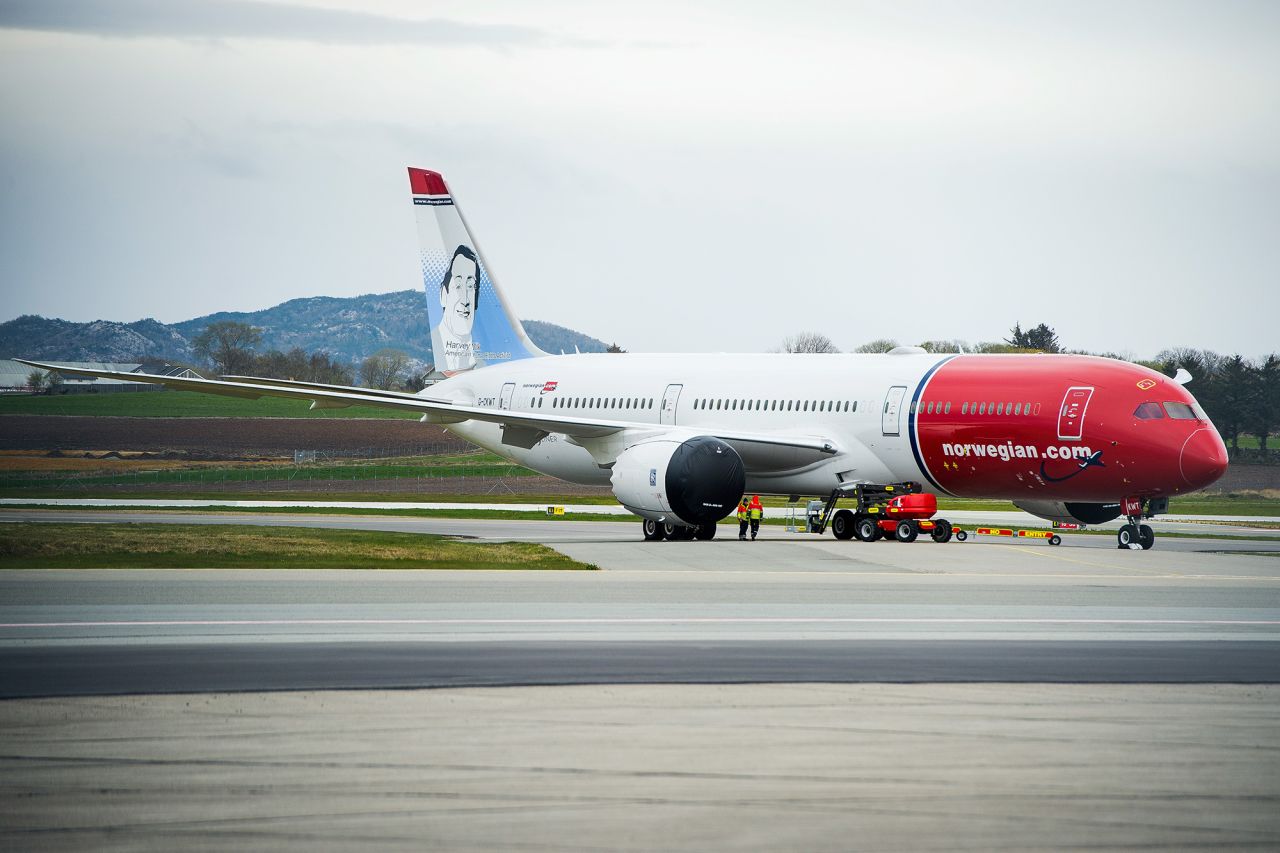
(787, 607)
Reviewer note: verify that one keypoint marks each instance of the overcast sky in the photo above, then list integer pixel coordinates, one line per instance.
(672, 176)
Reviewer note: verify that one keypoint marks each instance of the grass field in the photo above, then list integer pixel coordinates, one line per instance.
(179, 404)
(46, 546)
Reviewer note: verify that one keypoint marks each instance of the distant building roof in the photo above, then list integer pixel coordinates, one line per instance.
(14, 374)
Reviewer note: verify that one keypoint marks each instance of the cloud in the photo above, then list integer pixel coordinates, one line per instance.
(229, 19)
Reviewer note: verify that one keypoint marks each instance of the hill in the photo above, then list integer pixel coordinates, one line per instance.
(348, 328)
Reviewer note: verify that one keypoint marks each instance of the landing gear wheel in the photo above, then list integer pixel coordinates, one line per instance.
(653, 531)
(677, 532)
(1146, 536)
(705, 532)
(842, 525)
(1127, 536)
(941, 531)
(1055, 539)
(865, 529)
(906, 531)
(961, 536)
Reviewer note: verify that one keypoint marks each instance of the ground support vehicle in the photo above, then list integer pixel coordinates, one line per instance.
(884, 511)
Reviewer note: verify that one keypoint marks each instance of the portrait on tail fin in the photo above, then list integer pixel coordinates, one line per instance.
(459, 300)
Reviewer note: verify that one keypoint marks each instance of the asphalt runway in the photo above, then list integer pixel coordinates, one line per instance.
(791, 693)
(787, 608)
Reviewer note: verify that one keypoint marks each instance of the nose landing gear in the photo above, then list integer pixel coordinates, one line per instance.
(1136, 535)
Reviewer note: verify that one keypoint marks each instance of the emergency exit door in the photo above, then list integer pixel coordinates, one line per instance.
(504, 402)
(892, 410)
(1071, 415)
(667, 414)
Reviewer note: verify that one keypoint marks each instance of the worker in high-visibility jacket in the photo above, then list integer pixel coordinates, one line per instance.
(756, 511)
(743, 514)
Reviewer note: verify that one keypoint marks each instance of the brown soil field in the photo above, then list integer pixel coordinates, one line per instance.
(438, 487)
(226, 438)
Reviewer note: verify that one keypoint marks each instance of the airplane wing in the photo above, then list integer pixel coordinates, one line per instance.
(520, 429)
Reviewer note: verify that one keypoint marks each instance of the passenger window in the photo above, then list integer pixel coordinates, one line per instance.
(1180, 411)
(947, 408)
(1148, 412)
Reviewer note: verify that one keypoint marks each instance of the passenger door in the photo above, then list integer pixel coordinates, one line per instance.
(504, 402)
(667, 414)
(892, 410)
(1071, 415)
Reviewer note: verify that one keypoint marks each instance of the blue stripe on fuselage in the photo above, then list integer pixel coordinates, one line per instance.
(911, 423)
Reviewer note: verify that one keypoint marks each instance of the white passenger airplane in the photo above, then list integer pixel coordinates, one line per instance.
(679, 438)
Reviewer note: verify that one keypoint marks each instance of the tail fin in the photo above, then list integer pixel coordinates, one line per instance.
(471, 323)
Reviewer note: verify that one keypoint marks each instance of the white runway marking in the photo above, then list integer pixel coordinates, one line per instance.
(677, 620)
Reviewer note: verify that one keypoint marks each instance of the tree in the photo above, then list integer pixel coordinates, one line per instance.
(878, 345)
(1041, 338)
(946, 346)
(45, 381)
(1230, 398)
(999, 347)
(322, 367)
(1264, 410)
(809, 342)
(384, 369)
(615, 348)
(228, 346)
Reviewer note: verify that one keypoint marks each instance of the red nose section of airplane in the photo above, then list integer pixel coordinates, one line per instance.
(1204, 458)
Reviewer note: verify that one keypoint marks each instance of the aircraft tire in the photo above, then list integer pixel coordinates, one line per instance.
(1127, 535)
(906, 531)
(653, 531)
(705, 532)
(842, 526)
(1146, 537)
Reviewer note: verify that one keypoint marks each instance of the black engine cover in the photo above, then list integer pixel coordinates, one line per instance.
(705, 479)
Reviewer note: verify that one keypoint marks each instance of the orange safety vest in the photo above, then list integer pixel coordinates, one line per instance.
(757, 509)
(742, 510)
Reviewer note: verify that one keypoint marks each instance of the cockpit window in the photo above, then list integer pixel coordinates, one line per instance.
(1148, 411)
(1180, 411)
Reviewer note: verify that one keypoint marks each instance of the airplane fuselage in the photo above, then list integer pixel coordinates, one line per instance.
(1020, 427)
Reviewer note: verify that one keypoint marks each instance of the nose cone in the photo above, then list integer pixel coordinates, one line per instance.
(1204, 458)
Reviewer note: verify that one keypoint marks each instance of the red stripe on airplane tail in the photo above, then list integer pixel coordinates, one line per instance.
(426, 182)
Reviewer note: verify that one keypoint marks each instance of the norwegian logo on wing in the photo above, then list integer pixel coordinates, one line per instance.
(549, 387)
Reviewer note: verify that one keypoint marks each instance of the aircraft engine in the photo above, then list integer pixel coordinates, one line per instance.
(695, 481)
(1076, 513)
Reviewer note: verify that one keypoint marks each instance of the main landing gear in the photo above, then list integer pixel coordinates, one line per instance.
(656, 531)
(1135, 534)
